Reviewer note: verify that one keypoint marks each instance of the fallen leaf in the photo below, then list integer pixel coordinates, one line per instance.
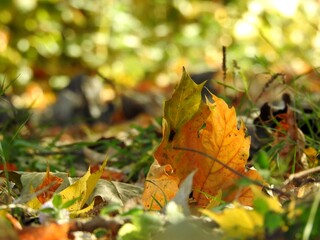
(31, 180)
(238, 222)
(44, 192)
(82, 188)
(34, 179)
(109, 191)
(8, 167)
(311, 155)
(34, 203)
(115, 192)
(159, 187)
(13, 177)
(307, 189)
(271, 203)
(210, 128)
(51, 183)
(111, 174)
(242, 222)
(288, 133)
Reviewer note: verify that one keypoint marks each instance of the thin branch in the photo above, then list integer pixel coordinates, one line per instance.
(301, 174)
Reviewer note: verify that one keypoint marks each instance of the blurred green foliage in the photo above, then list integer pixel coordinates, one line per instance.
(133, 40)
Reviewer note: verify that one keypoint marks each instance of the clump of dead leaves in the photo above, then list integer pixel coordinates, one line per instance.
(204, 150)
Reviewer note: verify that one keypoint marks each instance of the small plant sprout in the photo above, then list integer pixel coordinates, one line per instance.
(55, 210)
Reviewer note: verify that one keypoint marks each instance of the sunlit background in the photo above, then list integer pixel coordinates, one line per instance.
(45, 42)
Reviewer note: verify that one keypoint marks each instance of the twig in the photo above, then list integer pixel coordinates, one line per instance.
(257, 183)
(301, 174)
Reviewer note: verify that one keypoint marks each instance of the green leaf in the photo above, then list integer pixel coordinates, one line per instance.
(48, 210)
(263, 203)
(113, 207)
(137, 211)
(262, 159)
(69, 203)
(261, 206)
(142, 226)
(273, 221)
(184, 102)
(57, 201)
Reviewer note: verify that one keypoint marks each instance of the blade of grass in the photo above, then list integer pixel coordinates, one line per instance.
(314, 208)
(5, 169)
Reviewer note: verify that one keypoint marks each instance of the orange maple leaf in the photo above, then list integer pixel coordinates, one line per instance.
(209, 128)
(49, 185)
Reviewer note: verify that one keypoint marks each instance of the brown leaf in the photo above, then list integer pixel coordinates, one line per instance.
(287, 132)
(50, 183)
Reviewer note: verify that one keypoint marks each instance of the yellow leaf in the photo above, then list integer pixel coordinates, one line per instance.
(312, 156)
(33, 203)
(238, 221)
(272, 203)
(82, 188)
(82, 211)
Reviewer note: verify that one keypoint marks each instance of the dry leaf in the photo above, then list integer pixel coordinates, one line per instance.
(243, 221)
(288, 132)
(212, 129)
(52, 183)
(8, 167)
(272, 203)
(238, 221)
(311, 155)
(80, 190)
(47, 188)
(160, 186)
